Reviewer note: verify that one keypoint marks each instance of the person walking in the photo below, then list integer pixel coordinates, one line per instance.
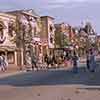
(28, 61)
(40, 61)
(4, 62)
(88, 60)
(1, 59)
(49, 61)
(54, 61)
(75, 62)
(34, 62)
(92, 61)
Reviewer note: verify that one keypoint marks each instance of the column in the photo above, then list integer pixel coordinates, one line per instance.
(15, 56)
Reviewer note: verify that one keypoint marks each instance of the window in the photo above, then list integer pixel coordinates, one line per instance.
(10, 57)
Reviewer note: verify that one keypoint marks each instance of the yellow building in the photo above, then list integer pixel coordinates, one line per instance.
(47, 34)
(28, 33)
(7, 37)
(24, 30)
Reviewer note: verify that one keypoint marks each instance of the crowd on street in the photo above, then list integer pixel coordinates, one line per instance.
(55, 61)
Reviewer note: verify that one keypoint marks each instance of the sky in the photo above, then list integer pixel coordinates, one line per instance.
(73, 12)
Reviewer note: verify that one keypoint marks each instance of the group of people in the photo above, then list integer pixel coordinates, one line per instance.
(53, 60)
(73, 59)
(3, 63)
(56, 61)
(90, 61)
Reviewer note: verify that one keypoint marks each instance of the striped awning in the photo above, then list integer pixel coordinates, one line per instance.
(7, 48)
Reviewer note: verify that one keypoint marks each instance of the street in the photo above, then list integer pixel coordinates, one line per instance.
(51, 85)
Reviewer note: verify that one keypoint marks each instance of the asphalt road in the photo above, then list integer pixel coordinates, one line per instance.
(51, 85)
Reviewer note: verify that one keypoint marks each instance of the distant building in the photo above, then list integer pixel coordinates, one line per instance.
(63, 35)
(86, 37)
(98, 42)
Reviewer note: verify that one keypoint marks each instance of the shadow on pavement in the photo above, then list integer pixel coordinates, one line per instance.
(90, 88)
(52, 77)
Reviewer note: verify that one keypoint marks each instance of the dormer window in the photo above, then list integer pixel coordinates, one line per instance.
(2, 37)
(11, 28)
(51, 28)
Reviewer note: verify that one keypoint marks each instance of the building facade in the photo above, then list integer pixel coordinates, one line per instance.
(64, 35)
(19, 35)
(28, 34)
(8, 37)
(47, 34)
(23, 33)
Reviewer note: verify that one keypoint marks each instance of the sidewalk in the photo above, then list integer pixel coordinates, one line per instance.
(6, 74)
(12, 70)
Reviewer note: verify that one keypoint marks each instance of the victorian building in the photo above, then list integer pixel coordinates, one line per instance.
(47, 34)
(8, 37)
(28, 35)
(24, 33)
(85, 38)
(64, 35)
(98, 43)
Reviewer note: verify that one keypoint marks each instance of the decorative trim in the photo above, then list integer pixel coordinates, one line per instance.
(2, 40)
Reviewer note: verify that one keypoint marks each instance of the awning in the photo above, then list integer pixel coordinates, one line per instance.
(36, 39)
(7, 48)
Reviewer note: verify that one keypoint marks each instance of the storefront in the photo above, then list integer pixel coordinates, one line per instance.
(10, 53)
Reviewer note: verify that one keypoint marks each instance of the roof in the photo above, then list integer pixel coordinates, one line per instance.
(29, 12)
(7, 48)
(47, 17)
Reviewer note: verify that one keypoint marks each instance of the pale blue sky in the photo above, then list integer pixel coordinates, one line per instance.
(70, 11)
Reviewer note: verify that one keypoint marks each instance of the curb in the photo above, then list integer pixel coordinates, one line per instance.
(7, 74)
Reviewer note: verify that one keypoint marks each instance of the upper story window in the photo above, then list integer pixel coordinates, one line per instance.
(51, 28)
(11, 28)
(2, 37)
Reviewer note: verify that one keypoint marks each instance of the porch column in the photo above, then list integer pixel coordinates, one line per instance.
(15, 56)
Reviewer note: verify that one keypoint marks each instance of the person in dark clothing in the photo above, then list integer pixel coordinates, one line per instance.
(75, 63)
(49, 60)
(54, 61)
(92, 62)
(34, 62)
(88, 60)
(45, 58)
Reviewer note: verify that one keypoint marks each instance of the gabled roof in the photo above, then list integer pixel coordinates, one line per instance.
(29, 12)
(47, 17)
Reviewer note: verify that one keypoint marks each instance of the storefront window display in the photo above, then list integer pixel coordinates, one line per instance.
(10, 57)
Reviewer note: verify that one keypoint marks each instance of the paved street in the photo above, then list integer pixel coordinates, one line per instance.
(51, 85)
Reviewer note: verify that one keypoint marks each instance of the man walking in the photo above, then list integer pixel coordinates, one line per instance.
(3, 62)
(34, 62)
(75, 62)
(92, 61)
(88, 60)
